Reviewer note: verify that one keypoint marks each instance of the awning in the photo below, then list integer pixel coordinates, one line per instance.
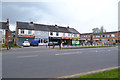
(82, 39)
(65, 37)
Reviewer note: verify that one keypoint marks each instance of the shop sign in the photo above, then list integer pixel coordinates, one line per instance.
(63, 37)
(25, 35)
(39, 34)
(81, 39)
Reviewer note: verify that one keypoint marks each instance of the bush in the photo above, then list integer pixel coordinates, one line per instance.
(3, 45)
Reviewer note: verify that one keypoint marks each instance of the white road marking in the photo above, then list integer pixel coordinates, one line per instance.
(68, 53)
(90, 72)
(27, 56)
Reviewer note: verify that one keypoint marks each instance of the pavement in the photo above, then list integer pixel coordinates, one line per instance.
(41, 62)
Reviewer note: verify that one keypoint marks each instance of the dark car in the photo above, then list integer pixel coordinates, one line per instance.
(34, 43)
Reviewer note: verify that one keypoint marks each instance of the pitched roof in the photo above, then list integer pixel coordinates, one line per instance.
(100, 33)
(42, 27)
(3, 25)
(73, 30)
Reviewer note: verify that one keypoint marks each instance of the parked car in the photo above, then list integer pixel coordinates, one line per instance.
(26, 44)
(34, 43)
(52, 43)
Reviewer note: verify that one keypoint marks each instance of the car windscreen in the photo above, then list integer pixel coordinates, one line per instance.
(26, 42)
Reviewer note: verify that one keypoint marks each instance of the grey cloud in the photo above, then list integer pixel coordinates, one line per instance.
(61, 13)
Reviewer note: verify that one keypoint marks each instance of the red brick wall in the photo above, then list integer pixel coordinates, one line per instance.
(6, 37)
(106, 37)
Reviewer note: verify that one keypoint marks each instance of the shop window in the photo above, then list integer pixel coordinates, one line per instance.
(75, 35)
(22, 31)
(51, 33)
(113, 39)
(68, 34)
(63, 34)
(108, 35)
(41, 41)
(29, 32)
(57, 34)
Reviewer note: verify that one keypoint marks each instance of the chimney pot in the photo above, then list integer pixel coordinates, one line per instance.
(55, 24)
(8, 21)
(68, 27)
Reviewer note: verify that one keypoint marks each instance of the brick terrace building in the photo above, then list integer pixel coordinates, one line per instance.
(45, 33)
(106, 38)
(4, 28)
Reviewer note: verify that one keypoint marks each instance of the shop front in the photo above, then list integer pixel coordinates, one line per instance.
(22, 38)
(82, 41)
(66, 41)
(75, 41)
(42, 37)
(55, 39)
(42, 40)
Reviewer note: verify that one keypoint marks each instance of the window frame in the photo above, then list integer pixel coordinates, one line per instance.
(22, 31)
(51, 33)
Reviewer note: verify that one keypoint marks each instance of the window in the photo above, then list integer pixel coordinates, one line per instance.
(68, 34)
(97, 36)
(22, 31)
(57, 34)
(112, 35)
(29, 32)
(63, 34)
(75, 35)
(108, 35)
(41, 41)
(51, 33)
(103, 35)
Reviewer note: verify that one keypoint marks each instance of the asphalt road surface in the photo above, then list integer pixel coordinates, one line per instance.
(39, 62)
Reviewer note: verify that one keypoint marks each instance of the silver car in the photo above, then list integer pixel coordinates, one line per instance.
(26, 44)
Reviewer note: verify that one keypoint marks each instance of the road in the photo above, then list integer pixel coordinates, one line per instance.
(40, 62)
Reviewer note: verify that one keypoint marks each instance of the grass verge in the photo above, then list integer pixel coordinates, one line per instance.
(106, 74)
(3, 49)
(16, 47)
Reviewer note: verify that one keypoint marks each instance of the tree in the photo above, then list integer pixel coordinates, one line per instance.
(97, 30)
(102, 30)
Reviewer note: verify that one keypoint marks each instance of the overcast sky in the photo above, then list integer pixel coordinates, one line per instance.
(83, 15)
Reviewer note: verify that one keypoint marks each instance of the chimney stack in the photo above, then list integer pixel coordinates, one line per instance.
(8, 21)
(31, 22)
(68, 27)
(55, 24)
